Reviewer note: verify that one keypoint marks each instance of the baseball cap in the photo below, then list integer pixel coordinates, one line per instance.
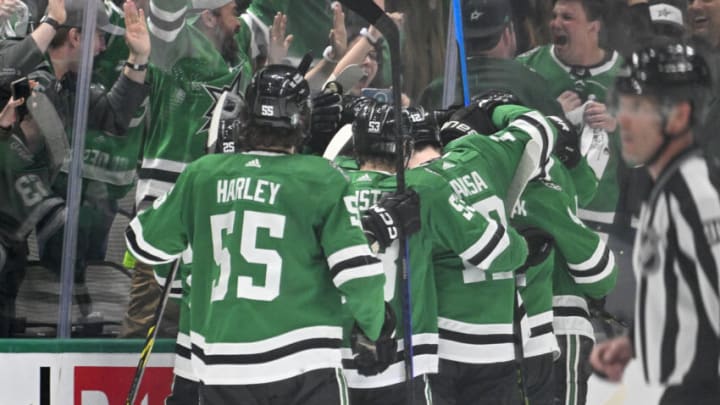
(669, 12)
(74, 10)
(485, 18)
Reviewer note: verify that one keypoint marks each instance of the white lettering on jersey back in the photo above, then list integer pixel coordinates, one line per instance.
(519, 209)
(366, 198)
(469, 184)
(247, 188)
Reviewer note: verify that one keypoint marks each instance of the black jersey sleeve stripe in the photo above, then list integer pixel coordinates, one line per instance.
(594, 271)
(268, 356)
(165, 25)
(570, 311)
(486, 251)
(131, 239)
(542, 130)
(475, 339)
(541, 329)
(158, 174)
(352, 263)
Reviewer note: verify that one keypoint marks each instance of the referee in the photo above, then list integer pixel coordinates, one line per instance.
(676, 337)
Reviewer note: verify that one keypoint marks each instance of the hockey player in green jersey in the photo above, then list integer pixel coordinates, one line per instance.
(580, 72)
(448, 225)
(580, 267)
(476, 347)
(270, 259)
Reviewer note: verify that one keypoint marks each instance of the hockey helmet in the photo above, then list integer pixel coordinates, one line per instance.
(278, 97)
(374, 130)
(423, 127)
(668, 70)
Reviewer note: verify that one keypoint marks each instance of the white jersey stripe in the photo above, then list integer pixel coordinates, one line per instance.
(147, 248)
(286, 367)
(475, 354)
(164, 164)
(354, 273)
(475, 329)
(607, 271)
(593, 261)
(294, 336)
(166, 15)
(347, 254)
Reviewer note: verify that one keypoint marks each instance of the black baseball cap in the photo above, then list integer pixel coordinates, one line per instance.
(485, 18)
(74, 10)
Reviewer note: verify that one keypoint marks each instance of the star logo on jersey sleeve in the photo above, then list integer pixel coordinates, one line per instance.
(215, 92)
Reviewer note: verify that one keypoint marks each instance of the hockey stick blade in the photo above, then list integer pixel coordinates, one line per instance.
(338, 142)
(527, 166)
(152, 334)
(215, 122)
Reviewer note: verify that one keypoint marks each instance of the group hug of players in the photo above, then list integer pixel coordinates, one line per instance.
(497, 276)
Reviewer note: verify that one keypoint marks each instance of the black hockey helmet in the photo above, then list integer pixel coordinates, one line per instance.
(668, 70)
(278, 97)
(374, 130)
(424, 128)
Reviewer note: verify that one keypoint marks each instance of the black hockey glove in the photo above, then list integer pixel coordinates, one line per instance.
(370, 357)
(477, 116)
(352, 105)
(540, 245)
(383, 220)
(326, 113)
(567, 146)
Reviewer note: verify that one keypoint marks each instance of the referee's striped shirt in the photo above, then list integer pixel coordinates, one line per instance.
(676, 259)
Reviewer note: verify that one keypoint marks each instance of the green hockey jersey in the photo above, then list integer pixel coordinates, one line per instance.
(480, 168)
(448, 225)
(188, 78)
(583, 265)
(369, 187)
(585, 81)
(274, 248)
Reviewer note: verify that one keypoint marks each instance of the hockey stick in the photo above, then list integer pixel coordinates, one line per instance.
(212, 138)
(460, 39)
(377, 17)
(152, 334)
(338, 142)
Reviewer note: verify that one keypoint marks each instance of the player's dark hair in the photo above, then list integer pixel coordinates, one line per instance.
(261, 137)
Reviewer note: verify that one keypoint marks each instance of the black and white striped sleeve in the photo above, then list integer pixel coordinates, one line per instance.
(354, 262)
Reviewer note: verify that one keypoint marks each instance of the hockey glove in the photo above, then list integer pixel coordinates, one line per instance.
(326, 113)
(477, 116)
(393, 212)
(370, 357)
(567, 147)
(352, 105)
(540, 245)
